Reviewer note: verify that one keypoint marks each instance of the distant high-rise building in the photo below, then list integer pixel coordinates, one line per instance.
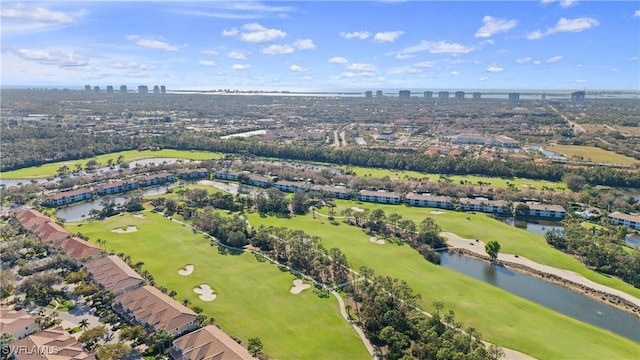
(87, 88)
(379, 93)
(476, 96)
(163, 89)
(156, 89)
(577, 96)
(404, 94)
(109, 89)
(96, 89)
(123, 89)
(459, 95)
(428, 94)
(443, 95)
(368, 94)
(143, 89)
(514, 97)
(543, 96)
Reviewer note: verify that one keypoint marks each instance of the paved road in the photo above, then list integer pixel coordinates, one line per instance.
(343, 312)
(577, 129)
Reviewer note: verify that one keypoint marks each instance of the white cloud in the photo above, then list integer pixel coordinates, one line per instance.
(239, 10)
(493, 26)
(425, 65)
(633, 58)
(338, 60)
(355, 35)
(553, 60)
(28, 18)
(297, 68)
(388, 36)
(209, 52)
(404, 56)
(238, 55)
(351, 74)
(152, 43)
(438, 47)
(207, 63)
(278, 50)
(230, 32)
(581, 81)
(523, 60)
(362, 67)
(305, 44)
(636, 14)
(53, 57)
(455, 73)
(131, 65)
(565, 25)
(240, 66)
(615, 70)
(537, 62)
(563, 3)
(484, 78)
(493, 68)
(256, 33)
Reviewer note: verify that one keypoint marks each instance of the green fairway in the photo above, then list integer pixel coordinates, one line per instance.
(519, 183)
(512, 240)
(592, 153)
(50, 169)
(502, 318)
(253, 297)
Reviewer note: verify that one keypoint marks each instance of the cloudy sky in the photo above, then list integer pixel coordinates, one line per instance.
(323, 45)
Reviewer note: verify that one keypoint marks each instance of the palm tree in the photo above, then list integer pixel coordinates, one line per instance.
(84, 324)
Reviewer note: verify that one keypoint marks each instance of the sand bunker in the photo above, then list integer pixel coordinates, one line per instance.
(206, 292)
(129, 229)
(438, 212)
(374, 239)
(357, 209)
(188, 270)
(298, 286)
(139, 216)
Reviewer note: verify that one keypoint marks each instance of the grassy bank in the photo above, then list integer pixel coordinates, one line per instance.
(592, 153)
(50, 169)
(501, 317)
(253, 297)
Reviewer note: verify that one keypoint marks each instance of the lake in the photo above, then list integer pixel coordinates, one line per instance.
(550, 295)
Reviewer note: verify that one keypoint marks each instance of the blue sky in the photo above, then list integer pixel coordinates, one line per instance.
(323, 45)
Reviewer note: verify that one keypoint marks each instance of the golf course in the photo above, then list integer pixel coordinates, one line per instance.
(253, 298)
(501, 317)
(50, 169)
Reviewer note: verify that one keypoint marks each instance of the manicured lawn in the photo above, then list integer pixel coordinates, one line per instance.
(519, 183)
(512, 240)
(592, 153)
(253, 297)
(501, 317)
(49, 170)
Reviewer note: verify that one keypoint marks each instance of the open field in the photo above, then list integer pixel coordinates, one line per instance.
(253, 298)
(50, 169)
(591, 153)
(519, 183)
(512, 240)
(502, 318)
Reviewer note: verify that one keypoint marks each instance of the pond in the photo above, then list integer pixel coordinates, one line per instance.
(535, 226)
(552, 296)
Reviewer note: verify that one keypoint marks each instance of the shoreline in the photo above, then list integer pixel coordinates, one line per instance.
(568, 279)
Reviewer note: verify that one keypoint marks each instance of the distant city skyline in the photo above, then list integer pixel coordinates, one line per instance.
(323, 45)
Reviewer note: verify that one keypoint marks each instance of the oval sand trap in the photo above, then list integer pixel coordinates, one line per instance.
(298, 286)
(438, 212)
(139, 216)
(206, 292)
(129, 229)
(374, 239)
(188, 270)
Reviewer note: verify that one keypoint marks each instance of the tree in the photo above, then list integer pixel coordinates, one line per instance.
(160, 341)
(5, 350)
(113, 351)
(574, 182)
(492, 248)
(84, 324)
(255, 346)
(91, 336)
